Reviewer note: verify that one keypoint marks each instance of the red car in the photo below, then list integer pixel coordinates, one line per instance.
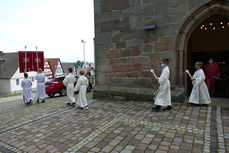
(55, 85)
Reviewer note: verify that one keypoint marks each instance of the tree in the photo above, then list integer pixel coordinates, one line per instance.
(79, 63)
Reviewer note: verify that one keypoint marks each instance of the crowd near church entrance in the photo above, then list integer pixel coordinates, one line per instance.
(210, 40)
(204, 37)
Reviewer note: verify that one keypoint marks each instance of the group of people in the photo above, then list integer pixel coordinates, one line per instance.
(27, 91)
(69, 82)
(81, 87)
(199, 95)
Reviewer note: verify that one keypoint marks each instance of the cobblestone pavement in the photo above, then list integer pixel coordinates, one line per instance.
(112, 126)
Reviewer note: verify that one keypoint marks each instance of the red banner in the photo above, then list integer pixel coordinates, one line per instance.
(31, 60)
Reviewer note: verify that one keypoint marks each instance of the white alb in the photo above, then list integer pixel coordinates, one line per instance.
(163, 97)
(199, 94)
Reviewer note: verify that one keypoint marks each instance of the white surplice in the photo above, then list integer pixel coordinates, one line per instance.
(81, 86)
(199, 94)
(163, 97)
(69, 81)
(40, 92)
(27, 91)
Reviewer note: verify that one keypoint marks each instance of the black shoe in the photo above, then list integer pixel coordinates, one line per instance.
(156, 109)
(30, 102)
(69, 104)
(73, 104)
(37, 100)
(43, 101)
(80, 108)
(168, 108)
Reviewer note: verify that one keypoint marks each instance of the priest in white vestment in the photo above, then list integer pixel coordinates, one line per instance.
(40, 92)
(163, 97)
(27, 91)
(200, 93)
(81, 86)
(69, 81)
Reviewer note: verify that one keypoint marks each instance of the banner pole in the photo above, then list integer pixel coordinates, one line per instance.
(37, 59)
(25, 61)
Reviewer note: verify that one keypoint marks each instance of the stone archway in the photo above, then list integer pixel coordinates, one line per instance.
(189, 25)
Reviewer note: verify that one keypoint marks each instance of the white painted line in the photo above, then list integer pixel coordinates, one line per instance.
(207, 136)
(221, 144)
(160, 125)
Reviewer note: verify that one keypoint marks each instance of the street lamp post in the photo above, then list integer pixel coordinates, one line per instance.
(83, 51)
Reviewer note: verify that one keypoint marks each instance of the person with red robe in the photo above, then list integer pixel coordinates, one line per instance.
(212, 73)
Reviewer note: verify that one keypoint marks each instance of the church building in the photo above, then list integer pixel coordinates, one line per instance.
(132, 36)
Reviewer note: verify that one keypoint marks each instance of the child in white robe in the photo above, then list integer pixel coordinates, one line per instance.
(200, 93)
(163, 97)
(69, 83)
(81, 86)
(40, 92)
(27, 91)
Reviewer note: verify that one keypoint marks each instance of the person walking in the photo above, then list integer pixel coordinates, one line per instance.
(163, 97)
(27, 92)
(200, 93)
(69, 83)
(81, 86)
(40, 92)
(212, 72)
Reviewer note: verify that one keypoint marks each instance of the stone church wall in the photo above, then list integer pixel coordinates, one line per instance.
(125, 52)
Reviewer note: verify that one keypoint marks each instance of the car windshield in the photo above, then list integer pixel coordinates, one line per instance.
(49, 79)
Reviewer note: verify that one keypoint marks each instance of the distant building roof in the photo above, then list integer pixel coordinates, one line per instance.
(65, 66)
(10, 66)
(53, 62)
(87, 69)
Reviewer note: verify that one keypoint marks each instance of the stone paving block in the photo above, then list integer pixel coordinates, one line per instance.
(161, 151)
(146, 140)
(107, 149)
(95, 149)
(138, 151)
(141, 147)
(174, 147)
(114, 142)
(34, 150)
(129, 147)
(162, 147)
(186, 146)
(118, 148)
(126, 151)
(29, 148)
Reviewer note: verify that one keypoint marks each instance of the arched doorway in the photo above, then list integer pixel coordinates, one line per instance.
(190, 34)
(211, 39)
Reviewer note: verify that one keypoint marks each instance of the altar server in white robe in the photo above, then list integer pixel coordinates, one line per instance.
(163, 97)
(27, 91)
(69, 83)
(40, 92)
(81, 86)
(199, 94)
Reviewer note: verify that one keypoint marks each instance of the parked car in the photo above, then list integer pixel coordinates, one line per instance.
(55, 85)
